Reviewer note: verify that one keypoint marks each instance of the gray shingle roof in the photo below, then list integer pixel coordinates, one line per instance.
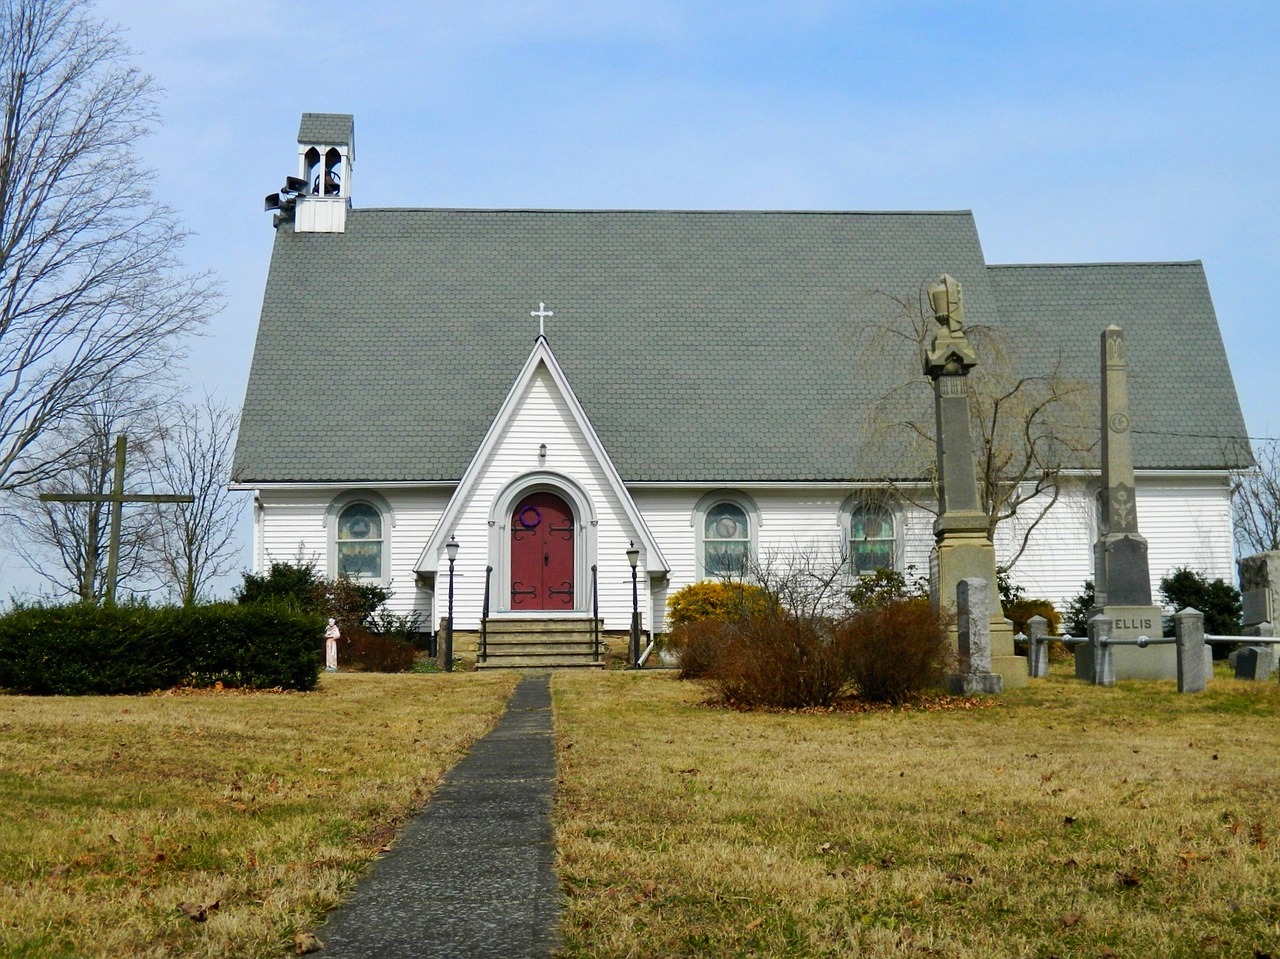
(1181, 395)
(327, 128)
(704, 346)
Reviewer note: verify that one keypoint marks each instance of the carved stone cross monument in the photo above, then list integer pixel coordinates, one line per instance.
(1121, 572)
(963, 549)
(117, 498)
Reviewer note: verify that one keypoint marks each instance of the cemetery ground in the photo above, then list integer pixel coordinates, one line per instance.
(1066, 820)
(1063, 820)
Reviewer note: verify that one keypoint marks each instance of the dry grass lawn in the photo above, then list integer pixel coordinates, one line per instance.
(1070, 821)
(116, 810)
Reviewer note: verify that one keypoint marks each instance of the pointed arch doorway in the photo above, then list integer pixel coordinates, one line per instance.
(543, 567)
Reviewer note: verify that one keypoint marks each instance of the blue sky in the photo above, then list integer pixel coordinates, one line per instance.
(1075, 131)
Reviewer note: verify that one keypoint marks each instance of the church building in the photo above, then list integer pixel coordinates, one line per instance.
(570, 395)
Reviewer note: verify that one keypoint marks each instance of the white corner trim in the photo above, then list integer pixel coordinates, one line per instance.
(541, 355)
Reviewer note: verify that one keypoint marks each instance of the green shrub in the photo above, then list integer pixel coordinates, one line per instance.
(134, 648)
(260, 646)
(886, 585)
(715, 599)
(1076, 619)
(359, 608)
(1219, 601)
(81, 649)
(895, 650)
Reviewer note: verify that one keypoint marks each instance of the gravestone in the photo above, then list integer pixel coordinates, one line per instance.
(1259, 590)
(1037, 647)
(973, 627)
(962, 548)
(1255, 662)
(1195, 661)
(1122, 573)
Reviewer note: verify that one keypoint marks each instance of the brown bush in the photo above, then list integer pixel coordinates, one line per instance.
(697, 646)
(780, 660)
(895, 649)
(359, 649)
(1021, 610)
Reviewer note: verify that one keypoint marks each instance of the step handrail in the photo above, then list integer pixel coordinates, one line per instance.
(595, 615)
(484, 617)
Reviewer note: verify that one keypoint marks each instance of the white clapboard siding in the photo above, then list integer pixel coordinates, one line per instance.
(1185, 519)
(291, 528)
(1187, 525)
(542, 415)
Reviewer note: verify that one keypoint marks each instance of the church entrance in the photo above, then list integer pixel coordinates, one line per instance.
(542, 566)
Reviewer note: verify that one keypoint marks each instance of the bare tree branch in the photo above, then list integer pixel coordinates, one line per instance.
(1027, 429)
(66, 543)
(1256, 496)
(196, 539)
(91, 291)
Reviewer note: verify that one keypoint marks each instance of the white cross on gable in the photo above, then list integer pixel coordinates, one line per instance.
(541, 313)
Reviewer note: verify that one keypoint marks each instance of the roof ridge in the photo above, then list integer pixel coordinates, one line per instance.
(1041, 266)
(703, 212)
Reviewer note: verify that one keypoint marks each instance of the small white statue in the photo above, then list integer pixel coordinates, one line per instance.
(331, 634)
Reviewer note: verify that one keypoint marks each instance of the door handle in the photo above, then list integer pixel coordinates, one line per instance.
(546, 559)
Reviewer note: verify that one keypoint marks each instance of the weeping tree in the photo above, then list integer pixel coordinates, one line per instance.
(1256, 496)
(1030, 428)
(91, 291)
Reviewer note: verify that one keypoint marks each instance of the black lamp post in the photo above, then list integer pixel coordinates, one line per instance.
(450, 548)
(633, 557)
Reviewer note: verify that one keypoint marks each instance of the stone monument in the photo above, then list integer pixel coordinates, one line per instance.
(973, 627)
(963, 549)
(1121, 572)
(1260, 590)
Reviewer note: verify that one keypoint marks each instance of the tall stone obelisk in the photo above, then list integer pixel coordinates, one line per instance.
(1121, 571)
(962, 548)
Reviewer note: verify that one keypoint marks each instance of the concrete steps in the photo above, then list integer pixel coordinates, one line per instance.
(539, 643)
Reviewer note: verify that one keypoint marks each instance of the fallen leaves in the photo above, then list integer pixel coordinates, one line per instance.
(305, 942)
(198, 913)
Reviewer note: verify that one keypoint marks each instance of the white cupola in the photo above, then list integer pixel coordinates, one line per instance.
(326, 150)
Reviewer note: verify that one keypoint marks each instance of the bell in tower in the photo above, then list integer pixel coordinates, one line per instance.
(326, 149)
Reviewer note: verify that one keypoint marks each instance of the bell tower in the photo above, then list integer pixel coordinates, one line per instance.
(326, 150)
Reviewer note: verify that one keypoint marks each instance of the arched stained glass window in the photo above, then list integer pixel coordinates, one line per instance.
(726, 540)
(871, 539)
(359, 542)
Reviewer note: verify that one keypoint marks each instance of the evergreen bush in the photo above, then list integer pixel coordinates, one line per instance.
(1219, 601)
(135, 648)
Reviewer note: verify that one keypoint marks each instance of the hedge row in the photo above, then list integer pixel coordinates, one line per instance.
(94, 650)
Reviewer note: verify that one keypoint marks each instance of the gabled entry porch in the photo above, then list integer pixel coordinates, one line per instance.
(544, 639)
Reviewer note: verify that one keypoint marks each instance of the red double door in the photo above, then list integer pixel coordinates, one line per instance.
(542, 553)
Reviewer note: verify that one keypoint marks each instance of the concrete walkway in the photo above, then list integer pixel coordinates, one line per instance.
(472, 875)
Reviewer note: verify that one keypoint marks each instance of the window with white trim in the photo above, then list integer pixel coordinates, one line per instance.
(726, 540)
(872, 540)
(358, 541)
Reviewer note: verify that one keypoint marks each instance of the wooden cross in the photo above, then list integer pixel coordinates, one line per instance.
(117, 499)
(541, 313)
